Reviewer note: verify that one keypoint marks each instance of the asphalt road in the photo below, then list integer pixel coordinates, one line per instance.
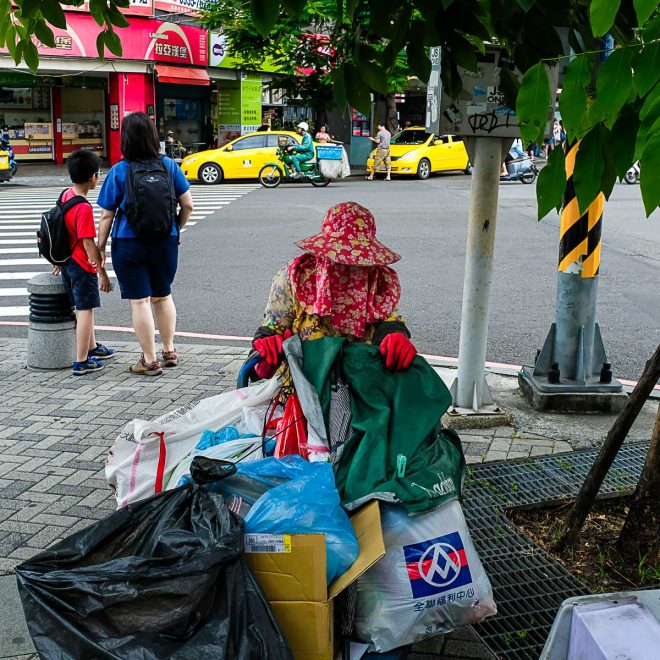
(228, 259)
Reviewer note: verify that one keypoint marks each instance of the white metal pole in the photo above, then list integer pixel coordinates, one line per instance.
(487, 159)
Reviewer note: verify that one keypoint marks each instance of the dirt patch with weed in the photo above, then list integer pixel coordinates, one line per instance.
(596, 559)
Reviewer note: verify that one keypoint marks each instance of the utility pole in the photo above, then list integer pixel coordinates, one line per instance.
(571, 371)
(469, 390)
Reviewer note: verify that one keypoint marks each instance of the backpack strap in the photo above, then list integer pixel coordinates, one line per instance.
(70, 203)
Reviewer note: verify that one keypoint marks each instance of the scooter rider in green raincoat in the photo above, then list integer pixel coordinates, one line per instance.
(304, 151)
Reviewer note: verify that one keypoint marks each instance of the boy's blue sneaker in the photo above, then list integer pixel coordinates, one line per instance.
(82, 368)
(101, 352)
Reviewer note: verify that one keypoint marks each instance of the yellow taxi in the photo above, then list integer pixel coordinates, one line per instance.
(241, 158)
(417, 153)
(5, 169)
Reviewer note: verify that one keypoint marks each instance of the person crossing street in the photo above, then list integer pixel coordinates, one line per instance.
(382, 155)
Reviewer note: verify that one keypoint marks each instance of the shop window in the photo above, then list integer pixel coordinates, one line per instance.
(252, 142)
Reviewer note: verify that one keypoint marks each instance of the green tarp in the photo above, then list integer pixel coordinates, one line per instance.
(394, 414)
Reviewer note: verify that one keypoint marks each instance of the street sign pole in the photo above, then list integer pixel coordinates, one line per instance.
(469, 390)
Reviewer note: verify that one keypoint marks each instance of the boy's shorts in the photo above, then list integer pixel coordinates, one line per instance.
(81, 285)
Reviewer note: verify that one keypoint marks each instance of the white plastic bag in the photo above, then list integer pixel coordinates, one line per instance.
(331, 169)
(346, 165)
(243, 449)
(429, 581)
(145, 453)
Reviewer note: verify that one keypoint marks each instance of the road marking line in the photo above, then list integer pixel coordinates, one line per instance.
(13, 291)
(14, 311)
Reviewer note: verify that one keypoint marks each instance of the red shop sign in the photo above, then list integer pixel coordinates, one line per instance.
(145, 39)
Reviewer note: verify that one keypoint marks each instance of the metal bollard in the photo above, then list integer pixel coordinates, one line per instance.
(52, 329)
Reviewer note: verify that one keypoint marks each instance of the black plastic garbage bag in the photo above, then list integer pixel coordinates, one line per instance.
(162, 578)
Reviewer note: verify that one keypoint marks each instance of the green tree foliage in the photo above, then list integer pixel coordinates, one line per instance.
(611, 107)
(25, 22)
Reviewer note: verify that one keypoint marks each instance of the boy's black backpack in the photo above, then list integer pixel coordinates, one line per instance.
(150, 202)
(52, 237)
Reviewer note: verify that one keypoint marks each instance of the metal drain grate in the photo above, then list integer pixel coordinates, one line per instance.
(528, 584)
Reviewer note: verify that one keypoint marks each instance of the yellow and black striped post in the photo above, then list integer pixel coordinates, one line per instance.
(579, 233)
(572, 361)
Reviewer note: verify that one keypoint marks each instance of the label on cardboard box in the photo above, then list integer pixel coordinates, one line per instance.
(267, 543)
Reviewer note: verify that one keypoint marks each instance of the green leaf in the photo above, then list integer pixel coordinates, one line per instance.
(602, 14)
(526, 5)
(100, 45)
(613, 86)
(608, 177)
(30, 8)
(31, 55)
(265, 14)
(5, 21)
(644, 9)
(464, 53)
(51, 10)
(623, 136)
(573, 97)
(294, 7)
(649, 115)
(339, 87)
(44, 34)
(646, 66)
(10, 38)
(589, 167)
(650, 175)
(533, 103)
(418, 60)
(117, 18)
(356, 89)
(97, 10)
(113, 42)
(18, 51)
(551, 184)
(510, 86)
(375, 76)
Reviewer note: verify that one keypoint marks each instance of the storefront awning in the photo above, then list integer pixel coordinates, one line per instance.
(182, 75)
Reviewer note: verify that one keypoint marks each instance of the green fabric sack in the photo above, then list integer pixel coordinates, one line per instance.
(394, 414)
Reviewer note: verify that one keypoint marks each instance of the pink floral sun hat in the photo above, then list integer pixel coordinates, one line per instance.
(348, 236)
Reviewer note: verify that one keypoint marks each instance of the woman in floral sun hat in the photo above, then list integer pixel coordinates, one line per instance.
(341, 286)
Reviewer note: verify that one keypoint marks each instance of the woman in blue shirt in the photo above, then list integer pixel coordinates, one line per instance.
(145, 269)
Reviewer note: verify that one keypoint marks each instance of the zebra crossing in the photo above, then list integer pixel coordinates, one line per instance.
(20, 216)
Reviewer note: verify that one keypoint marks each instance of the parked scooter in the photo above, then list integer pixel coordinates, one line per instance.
(4, 144)
(519, 168)
(632, 175)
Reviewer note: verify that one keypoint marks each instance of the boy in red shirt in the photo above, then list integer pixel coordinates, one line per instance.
(82, 274)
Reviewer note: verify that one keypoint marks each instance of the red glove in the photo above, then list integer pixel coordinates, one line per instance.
(398, 351)
(270, 348)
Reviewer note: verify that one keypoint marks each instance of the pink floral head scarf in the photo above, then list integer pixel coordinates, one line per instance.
(348, 236)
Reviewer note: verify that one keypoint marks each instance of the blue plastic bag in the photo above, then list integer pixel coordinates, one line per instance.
(306, 504)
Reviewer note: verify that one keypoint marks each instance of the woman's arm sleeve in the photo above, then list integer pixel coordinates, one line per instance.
(393, 323)
(280, 308)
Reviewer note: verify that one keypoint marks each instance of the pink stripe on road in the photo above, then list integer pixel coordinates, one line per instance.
(204, 335)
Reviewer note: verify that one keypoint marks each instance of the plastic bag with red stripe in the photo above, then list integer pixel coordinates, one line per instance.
(430, 580)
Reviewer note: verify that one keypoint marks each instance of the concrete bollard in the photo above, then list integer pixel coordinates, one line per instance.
(52, 329)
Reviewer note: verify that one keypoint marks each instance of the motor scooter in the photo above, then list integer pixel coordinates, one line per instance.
(520, 169)
(4, 144)
(272, 174)
(632, 175)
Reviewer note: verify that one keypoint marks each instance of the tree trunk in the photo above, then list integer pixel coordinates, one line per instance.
(641, 531)
(617, 434)
(391, 122)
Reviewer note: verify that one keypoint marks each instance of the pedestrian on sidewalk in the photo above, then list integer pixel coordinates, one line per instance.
(84, 273)
(382, 154)
(342, 286)
(146, 201)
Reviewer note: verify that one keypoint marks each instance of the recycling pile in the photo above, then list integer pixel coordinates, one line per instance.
(293, 455)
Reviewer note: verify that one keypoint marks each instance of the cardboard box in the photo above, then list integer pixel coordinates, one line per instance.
(293, 578)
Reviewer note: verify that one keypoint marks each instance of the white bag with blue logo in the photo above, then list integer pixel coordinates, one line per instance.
(430, 580)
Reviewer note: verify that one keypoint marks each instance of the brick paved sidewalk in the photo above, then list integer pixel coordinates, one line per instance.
(56, 430)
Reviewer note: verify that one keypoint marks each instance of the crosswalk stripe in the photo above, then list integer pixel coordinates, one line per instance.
(13, 291)
(14, 311)
(20, 217)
